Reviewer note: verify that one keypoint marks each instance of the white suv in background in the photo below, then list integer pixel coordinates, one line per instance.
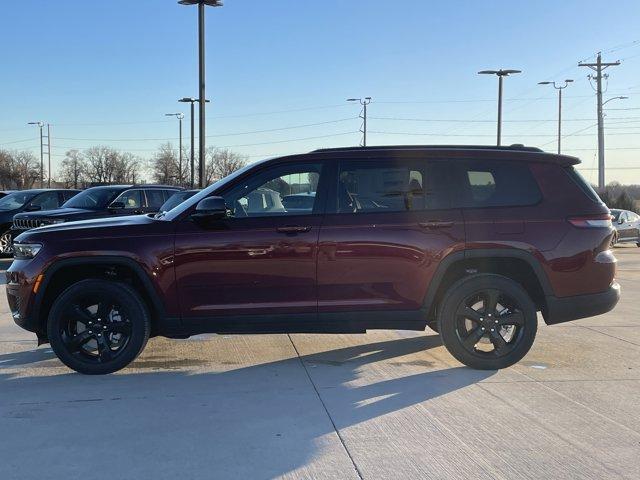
(627, 225)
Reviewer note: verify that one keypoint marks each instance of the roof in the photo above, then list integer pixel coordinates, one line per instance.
(485, 152)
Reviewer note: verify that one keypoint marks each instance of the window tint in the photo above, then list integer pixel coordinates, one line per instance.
(390, 186)
(494, 184)
(131, 199)
(46, 201)
(268, 193)
(582, 183)
(155, 198)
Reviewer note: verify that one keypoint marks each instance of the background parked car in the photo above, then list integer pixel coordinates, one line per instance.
(299, 202)
(27, 201)
(627, 225)
(98, 202)
(176, 199)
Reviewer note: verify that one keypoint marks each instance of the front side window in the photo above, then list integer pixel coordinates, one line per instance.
(46, 201)
(272, 193)
(131, 199)
(390, 187)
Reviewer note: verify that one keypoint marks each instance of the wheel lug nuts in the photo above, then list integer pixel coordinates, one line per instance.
(483, 329)
(496, 321)
(99, 334)
(105, 327)
(493, 330)
(90, 332)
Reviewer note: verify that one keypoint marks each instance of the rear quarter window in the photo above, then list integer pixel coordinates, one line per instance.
(583, 184)
(495, 184)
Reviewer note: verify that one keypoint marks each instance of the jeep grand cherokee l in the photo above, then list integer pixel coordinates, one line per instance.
(472, 241)
(98, 202)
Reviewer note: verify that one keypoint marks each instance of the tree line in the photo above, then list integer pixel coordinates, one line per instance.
(105, 165)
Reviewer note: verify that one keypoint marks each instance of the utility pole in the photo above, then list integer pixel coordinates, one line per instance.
(179, 116)
(559, 88)
(599, 67)
(49, 154)
(41, 126)
(364, 102)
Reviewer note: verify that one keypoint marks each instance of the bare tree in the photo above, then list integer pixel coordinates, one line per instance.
(221, 162)
(73, 169)
(164, 165)
(6, 170)
(26, 169)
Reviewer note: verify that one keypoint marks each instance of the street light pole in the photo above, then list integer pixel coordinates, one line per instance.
(501, 74)
(364, 102)
(192, 101)
(41, 125)
(201, 67)
(179, 116)
(559, 88)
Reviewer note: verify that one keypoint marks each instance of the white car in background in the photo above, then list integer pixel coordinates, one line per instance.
(627, 225)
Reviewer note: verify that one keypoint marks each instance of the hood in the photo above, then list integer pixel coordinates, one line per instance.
(65, 213)
(99, 228)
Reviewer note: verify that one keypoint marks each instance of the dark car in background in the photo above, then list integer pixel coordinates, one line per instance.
(176, 199)
(27, 201)
(98, 202)
(299, 202)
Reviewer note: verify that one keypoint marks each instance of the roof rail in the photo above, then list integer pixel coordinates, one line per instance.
(515, 146)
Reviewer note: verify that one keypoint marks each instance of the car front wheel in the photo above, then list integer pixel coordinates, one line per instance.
(6, 244)
(487, 321)
(98, 326)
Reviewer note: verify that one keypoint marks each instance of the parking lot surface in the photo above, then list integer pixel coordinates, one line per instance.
(383, 405)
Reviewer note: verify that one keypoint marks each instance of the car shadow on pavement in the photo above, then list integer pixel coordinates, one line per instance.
(256, 421)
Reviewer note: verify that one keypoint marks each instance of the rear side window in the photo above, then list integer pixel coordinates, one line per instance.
(155, 198)
(582, 183)
(389, 186)
(495, 184)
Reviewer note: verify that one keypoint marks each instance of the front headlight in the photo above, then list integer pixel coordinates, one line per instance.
(50, 221)
(25, 251)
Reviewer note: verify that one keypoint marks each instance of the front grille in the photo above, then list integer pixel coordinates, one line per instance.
(26, 223)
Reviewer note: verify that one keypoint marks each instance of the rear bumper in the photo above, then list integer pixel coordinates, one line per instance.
(565, 309)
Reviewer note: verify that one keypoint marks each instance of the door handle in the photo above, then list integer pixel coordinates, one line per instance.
(292, 229)
(433, 224)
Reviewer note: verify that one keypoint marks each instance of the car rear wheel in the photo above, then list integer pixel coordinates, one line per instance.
(6, 244)
(98, 326)
(487, 321)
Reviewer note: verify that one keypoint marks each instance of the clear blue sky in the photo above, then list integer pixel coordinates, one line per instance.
(106, 72)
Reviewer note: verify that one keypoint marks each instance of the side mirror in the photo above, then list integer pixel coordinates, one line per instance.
(116, 206)
(210, 209)
(33, 208)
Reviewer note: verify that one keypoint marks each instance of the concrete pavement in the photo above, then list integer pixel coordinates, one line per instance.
(382, 405)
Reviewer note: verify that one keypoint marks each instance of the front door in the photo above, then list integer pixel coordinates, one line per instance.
(262, 259)
(390, 224)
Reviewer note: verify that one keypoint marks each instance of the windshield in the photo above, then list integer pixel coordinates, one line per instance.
(207, 192)
(176, 199)
(93, 198)
(15, 200)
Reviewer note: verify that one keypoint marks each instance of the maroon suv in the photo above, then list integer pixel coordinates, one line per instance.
(470, 241)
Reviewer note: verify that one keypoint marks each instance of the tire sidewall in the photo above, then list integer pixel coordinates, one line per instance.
(127, 298)
(467, 286)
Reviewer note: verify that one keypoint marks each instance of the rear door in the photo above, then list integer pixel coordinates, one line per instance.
(388, 224)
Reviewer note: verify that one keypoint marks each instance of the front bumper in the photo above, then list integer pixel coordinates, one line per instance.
(565, 309)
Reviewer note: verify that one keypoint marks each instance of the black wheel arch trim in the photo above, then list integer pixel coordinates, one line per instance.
(478, 253)
(114, 260)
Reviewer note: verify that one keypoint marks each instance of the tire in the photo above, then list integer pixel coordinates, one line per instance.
(473, 307)
(6, 244)
(614, 239)
(97, 327)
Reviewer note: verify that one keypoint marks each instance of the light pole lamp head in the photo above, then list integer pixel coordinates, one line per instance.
(545, 83)
(40, 124)
(500, 73)
(210, 3)
(187, 100)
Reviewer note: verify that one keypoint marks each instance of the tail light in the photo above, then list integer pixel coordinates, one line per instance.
(591, 221)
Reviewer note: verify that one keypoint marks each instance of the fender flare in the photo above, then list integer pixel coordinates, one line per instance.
(110, 260)
(489, 253)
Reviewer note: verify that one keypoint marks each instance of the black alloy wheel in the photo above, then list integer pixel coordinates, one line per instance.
(98, 326)
(488, 321)
(6, 244)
